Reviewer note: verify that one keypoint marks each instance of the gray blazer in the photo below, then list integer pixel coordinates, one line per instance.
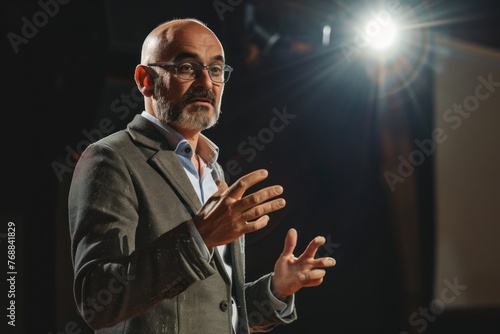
(136, 266)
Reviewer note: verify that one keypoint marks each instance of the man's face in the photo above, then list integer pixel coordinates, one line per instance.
(189, 104)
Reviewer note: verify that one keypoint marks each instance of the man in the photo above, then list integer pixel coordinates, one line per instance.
(157, 235)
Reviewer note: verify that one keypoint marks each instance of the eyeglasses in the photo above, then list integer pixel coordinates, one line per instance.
(190, 71)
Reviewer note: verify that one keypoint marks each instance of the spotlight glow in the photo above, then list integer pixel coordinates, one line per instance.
(384, 38)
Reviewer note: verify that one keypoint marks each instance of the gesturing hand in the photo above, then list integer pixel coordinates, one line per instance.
(227, 215)
(292, 273)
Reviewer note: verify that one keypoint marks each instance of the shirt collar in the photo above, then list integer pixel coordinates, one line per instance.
(206, 149)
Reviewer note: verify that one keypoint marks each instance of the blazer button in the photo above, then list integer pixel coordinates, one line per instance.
(224, 305)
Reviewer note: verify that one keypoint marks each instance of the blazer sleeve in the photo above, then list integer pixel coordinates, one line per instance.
(114, 280)
(262, 317)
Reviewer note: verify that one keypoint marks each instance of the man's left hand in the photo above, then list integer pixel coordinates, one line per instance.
(293, 273)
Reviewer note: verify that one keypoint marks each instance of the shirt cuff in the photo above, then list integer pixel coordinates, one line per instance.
(285, 308)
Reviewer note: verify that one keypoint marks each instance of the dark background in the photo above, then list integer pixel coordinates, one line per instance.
(77, 69)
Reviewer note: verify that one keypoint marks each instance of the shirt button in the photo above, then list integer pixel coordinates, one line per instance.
(187, 150)
(223, 305)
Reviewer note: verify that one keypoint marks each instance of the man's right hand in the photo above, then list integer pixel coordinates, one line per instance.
(227, 215)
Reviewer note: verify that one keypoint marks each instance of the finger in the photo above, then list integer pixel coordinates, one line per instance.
(221, 187)
(263, 209)
(237, 189)
(324, 262)
(312, 275)
(315, 282)
(221, 184)
(255, 225)
(213, 201)
(259, 197)
(313, 246)
(290, 242)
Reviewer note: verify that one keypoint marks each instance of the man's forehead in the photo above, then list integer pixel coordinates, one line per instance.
(194, 42)
(193, 37)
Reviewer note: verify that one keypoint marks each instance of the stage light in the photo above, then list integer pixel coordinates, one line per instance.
(384, 37)
(378, 31)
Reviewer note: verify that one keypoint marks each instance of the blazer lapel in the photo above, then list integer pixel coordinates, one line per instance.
(237, 259)
(238, 262)
(169, 165)
(163, 157)
(219, 261)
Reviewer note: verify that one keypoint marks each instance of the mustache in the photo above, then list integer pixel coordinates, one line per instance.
(199, 93)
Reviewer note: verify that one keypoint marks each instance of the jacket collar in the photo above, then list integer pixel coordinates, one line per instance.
(144, 132)
(206, 149)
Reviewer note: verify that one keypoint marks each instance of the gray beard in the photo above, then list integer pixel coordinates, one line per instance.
(182, 114)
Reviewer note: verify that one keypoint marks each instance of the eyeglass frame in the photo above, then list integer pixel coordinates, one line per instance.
(197, 68)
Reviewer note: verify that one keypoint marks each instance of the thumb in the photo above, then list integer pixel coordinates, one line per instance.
(221, 187)
(290, 242)
(214, 200)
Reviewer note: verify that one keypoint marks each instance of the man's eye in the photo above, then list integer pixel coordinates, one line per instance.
(185, 67)
(216, 69)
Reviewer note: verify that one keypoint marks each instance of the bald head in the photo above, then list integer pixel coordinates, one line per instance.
(164, 41)
(189, 105)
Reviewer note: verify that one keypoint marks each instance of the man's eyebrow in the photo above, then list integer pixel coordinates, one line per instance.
(186, 55)
(219, 57)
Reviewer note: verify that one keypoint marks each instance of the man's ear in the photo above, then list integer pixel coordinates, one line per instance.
(144, 78)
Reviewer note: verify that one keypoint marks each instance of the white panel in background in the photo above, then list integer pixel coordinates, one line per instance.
(467, 175)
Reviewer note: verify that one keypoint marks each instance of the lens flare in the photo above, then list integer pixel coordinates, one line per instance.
(384, 38)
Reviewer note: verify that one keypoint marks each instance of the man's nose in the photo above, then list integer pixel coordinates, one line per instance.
(204, 80)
